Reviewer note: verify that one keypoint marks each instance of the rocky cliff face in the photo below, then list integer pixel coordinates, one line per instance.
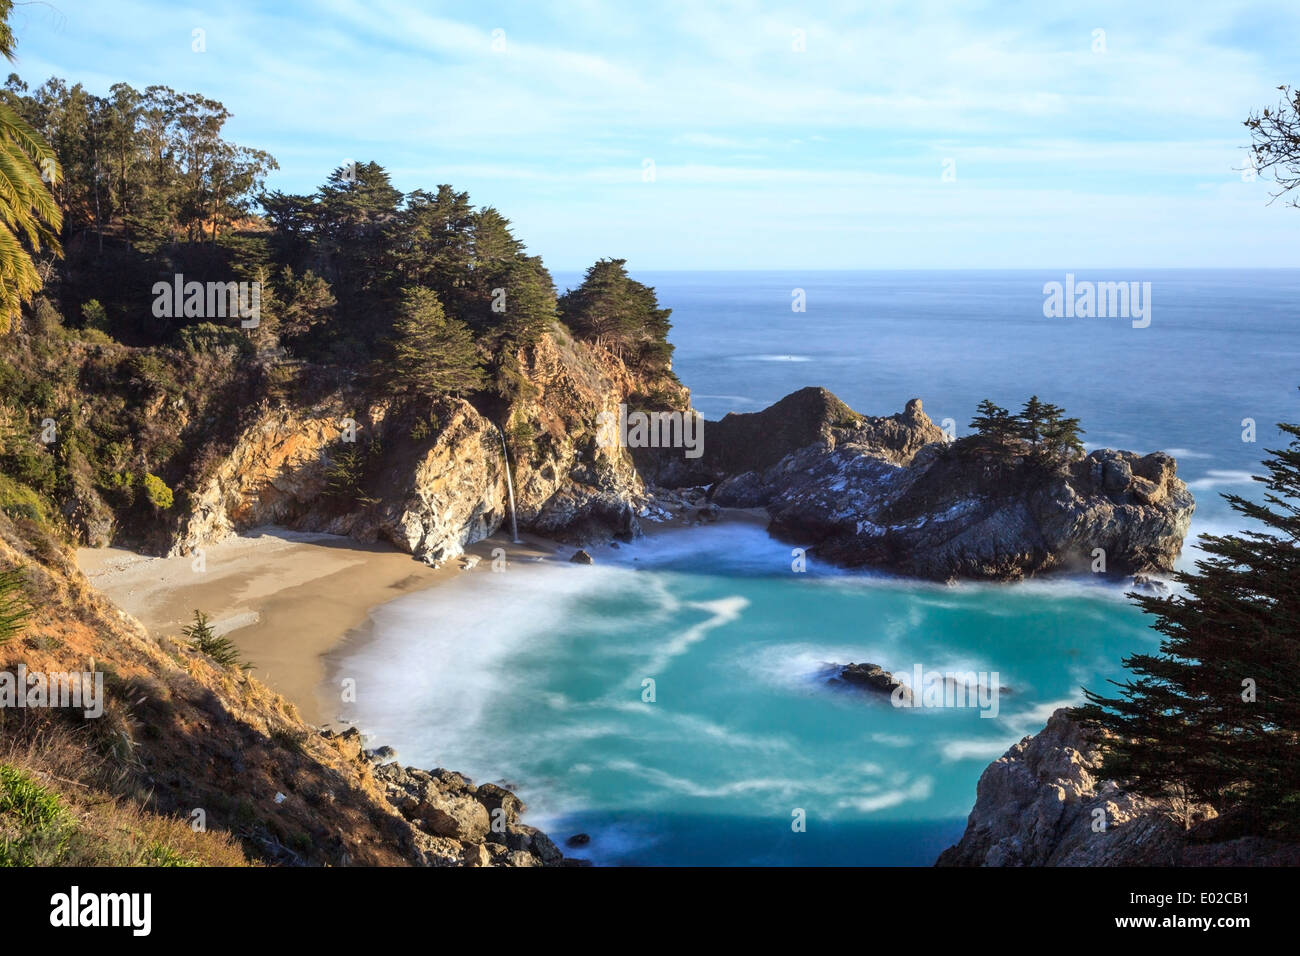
(891, 493)
(453, 822)
(179, 734)
(433, 480)
(882, 492)
(1042, 804)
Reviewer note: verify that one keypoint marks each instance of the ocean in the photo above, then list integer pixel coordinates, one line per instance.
(738, 752)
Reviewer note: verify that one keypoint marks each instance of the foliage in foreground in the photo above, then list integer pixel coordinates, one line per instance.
(1214, 717)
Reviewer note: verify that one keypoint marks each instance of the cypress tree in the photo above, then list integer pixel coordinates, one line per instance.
(1215, 717)
(994, 423)
(432, 354)
(1033, 419)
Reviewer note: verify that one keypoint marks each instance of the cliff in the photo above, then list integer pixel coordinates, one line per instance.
(891, 493)
(1042, 804)
(193, 762)
(431, 478)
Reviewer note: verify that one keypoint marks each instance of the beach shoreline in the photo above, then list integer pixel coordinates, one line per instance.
(298, 604)
(288, 600)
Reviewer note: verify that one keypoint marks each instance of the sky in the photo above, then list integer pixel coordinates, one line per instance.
(745, 135)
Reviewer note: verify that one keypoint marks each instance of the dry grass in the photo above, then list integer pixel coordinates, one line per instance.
(50, 818)
(178, 733)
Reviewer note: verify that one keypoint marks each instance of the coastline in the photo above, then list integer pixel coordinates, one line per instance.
(297, 604)
(288, 600)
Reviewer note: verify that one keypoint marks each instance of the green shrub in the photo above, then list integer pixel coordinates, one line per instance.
(425, 426)
(160, 496)
(522, 435)
(94, 316)
(210, 337)
(34, 826)
(159, 854)
(45, 318)
(205, 640)
(345, 475)
(19, 501)
(96, 337)
(148, 373)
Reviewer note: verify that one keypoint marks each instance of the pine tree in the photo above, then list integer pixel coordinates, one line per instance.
(1051, 435)
(204, 639)
(432, 355)
(1032, 419)
(619, 313)
(1214, 716)
(1060, 436)
(994, 423)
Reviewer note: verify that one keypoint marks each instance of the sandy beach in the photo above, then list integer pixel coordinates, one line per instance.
(285, 598)
(296, 603)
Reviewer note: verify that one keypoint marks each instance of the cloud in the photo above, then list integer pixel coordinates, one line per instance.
(766, 156)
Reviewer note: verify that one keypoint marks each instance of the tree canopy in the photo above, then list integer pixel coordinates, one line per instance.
(30, 218)
(1213, 717)
(432, 355)
(619, 313)
(1042, 426)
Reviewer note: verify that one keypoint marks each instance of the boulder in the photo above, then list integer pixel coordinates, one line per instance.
(534, 841)
(873, 677)
(496, 798)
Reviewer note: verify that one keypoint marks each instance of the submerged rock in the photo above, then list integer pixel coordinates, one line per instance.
(1146, 584)
(581, 557)
(873, 677)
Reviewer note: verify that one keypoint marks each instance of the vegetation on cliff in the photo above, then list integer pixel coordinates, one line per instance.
(1040, 426)
(30, 217)
(116, 405)
(1213, 718)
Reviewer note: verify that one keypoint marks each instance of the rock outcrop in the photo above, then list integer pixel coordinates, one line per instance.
(454, 822)
(892, 493)
(861, 491)
(872, 677)
(1042, 804)
(432, 480)
(752, 444)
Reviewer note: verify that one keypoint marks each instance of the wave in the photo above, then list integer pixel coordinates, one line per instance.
(438, 658)
(1222, 478)
(980, 749)
(920, 789)
(721, 612)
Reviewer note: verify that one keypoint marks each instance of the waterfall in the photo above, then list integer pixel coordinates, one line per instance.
(510, 485)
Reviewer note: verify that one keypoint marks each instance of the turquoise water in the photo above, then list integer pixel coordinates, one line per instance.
(535, 676)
